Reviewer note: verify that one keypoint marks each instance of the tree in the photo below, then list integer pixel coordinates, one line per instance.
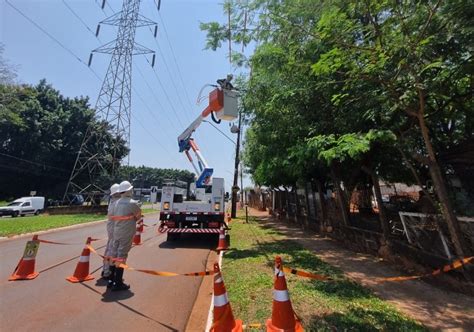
(40, 134)
(327, 76)
(7, 71)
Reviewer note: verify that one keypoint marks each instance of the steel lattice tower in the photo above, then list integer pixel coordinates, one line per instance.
(99, 155)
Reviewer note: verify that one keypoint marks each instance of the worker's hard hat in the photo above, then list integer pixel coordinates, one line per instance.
(114, 188)
(125, 186)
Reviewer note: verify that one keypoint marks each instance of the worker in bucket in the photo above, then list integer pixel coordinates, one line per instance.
(108, 268)
(125, 213)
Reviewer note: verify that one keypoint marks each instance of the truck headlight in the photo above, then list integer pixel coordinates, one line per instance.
(217, 206)
(166, 205)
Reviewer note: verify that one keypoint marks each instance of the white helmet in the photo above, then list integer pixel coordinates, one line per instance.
(125, 186)
(114, 188)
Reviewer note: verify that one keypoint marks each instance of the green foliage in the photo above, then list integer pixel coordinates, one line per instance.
(41, 132)
(349, 83)
(144, 177)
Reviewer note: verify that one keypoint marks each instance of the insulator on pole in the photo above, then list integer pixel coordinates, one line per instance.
(90, 59)
(156, 31)
(159, 4)
(153, 60)
(103, 4)
(97, 30)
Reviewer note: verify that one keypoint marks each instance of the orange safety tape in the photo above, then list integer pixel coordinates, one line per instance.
(305, 274)
(453, 266)
(121, 218)
(152, 272)
(63, 243)
(253, 326)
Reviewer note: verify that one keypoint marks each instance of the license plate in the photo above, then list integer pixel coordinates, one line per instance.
(192, 218)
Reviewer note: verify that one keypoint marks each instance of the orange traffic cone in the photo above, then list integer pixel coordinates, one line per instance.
(81, 273)
(25, 270)
(222, 245)
(283, 316)
(137, 239)
(140, 224)
(223, 320)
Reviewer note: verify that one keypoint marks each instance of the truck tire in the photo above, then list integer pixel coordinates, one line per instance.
(37, 212)
(15, 214)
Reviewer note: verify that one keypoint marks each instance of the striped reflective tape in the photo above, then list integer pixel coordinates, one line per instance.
(220, 300)
(281, 295)
(122, 218)
(279, 273)
(84, 259)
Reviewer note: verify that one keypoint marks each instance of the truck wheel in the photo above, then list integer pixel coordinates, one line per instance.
(15, 214)
(22, 215)
(37, 212)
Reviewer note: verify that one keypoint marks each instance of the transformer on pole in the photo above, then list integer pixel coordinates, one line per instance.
(100, 155)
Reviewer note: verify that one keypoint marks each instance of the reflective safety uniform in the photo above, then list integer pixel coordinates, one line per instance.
(125, 213)
(110, 235)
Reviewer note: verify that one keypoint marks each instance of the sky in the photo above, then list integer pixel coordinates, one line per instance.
(164, 99)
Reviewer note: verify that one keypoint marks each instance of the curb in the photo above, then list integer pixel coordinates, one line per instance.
(54, 230)
(210, 314)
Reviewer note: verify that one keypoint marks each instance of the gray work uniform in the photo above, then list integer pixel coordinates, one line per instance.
(110, 225)
(126, 212)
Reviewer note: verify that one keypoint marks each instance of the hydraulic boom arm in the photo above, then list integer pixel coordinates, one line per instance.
(223, 102)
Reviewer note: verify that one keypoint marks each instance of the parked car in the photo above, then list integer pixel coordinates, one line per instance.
(23, 206)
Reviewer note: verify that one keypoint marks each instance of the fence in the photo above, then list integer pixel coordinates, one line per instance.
(419, 237)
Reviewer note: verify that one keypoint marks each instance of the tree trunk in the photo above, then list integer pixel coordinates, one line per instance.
(439, 184)
(297, 205)
(341, 198)
(322, 205)
(307, 209)
(378, 197)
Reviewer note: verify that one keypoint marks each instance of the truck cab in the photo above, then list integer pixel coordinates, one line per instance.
(199, 210)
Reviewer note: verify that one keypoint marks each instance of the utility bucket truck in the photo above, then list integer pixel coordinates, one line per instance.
(201, 209)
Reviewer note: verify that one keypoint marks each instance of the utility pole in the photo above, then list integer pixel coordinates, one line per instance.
(235, 187)
(98, 157)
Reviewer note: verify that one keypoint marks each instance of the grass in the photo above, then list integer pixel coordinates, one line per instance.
(20, 225)
(336, 305)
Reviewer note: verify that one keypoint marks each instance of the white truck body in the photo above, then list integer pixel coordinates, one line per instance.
(23, 206)
(203, 213)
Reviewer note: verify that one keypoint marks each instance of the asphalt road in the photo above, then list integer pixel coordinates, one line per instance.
(50, 303)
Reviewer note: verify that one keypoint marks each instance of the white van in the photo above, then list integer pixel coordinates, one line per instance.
(23, 206)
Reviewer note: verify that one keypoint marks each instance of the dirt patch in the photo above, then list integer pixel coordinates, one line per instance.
(435, 308)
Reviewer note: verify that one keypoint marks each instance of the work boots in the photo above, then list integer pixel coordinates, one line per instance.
(118, 284)
(111, 277)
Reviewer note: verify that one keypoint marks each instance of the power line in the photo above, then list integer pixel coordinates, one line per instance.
(157, 100)
(154, 137)
(230, 139)
(33, 162)
(174, 58)
(50, 36)
(166, 95)
(80, 19)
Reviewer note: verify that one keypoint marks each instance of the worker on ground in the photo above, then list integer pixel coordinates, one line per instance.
(125, 213)
(109, 269)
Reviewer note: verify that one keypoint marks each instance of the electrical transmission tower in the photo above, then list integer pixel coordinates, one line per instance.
(102, 148)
